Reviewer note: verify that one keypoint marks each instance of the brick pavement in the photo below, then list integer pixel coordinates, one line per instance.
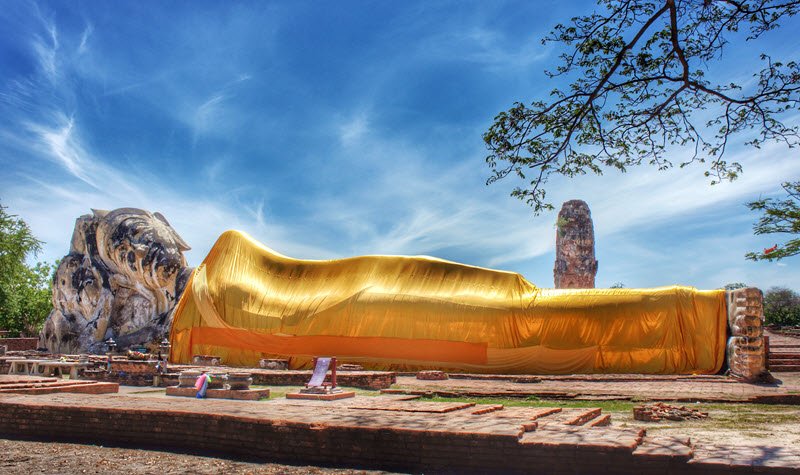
(381, 432)
(656, 387)
(23, 384)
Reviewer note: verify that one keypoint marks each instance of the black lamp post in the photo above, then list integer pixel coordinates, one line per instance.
(112, 346)
(164, 349)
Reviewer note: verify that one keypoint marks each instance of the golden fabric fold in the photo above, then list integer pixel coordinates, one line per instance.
(247, 302)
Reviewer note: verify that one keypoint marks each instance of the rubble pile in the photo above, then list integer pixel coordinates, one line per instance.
(659, 411)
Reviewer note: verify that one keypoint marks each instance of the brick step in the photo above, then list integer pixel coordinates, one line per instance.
(558, 417)
(26, 380)
(784, 354)
(665, 448)
(93, 387)
(788, 368)
(777, 359)
(60, 384)
(780, 363)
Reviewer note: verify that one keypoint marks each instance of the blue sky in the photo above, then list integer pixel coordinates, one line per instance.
(332, 129)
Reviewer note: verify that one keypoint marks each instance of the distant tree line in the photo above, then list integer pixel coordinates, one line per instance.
(781, 305)
(25, 290)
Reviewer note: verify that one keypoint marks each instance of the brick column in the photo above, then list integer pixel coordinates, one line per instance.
(575, 266)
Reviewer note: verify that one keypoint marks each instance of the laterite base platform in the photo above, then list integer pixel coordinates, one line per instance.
(321, 397)
(386, 433)
(241, 395)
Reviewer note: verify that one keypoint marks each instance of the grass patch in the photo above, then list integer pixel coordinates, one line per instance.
(731, 415)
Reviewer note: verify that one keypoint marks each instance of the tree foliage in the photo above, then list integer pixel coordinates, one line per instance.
(781, 217)
(25, 291)
(782, 306)
(735, 285)
(639, 86)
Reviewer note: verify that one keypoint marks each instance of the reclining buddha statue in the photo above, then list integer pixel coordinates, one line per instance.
(246, 302)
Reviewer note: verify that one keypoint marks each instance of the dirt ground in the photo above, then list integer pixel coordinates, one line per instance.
(738, 425)
(752, 425)
(27, 457)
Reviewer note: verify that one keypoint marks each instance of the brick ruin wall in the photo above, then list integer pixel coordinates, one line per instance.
(396, 449)
(19, 344)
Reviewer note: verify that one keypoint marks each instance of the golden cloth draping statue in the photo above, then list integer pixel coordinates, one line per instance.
(247, 302)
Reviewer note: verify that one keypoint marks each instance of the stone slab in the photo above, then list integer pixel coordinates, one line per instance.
(241, 395)
(410, 406)
(321, 397)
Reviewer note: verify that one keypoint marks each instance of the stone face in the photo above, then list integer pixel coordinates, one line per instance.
(576, 266)
(121, 279)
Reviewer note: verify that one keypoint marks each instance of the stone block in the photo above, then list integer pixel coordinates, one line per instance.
(432, 375)
(207, 360)
(241, 395)
(322, 397)
(276, 364)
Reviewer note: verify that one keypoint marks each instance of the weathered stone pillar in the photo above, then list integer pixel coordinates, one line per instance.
(575, 266)
(746, 351)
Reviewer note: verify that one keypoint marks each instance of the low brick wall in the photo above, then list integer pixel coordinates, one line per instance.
(354, 379)
(374, 380)
(19, 344)
(134, 366)
(130, 379)
(320, 444)
(52, 388)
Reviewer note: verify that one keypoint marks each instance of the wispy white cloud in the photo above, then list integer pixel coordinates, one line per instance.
(207, 115)
(87, 32)
(353, 130)
(378, 190)
(44, 128)
(46, 49)
(487, 47)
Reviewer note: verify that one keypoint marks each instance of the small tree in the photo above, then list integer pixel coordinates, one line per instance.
(779, 217)
(637, 72)
(735, 285)
(782, 306)
(25, 291)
